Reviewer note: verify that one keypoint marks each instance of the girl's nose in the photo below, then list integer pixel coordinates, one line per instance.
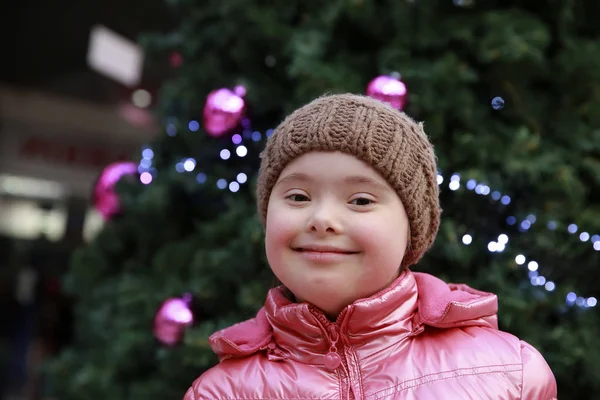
(325, 220)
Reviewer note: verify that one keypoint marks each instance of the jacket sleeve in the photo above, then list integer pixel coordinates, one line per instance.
(208, 386)
(192, 392)
(538, 380)
(189, 395)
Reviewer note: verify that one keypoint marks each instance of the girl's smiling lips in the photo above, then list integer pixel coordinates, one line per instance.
(324, 253)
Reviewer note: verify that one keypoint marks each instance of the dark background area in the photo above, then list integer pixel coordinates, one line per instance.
(44, 44)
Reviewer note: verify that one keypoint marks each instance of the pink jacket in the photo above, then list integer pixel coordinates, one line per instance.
(418, 339)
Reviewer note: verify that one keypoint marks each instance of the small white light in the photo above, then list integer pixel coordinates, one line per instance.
(141, 98)
(455, 177)
(241, 151)
(592, 302)
(189, 164)
(500, 247)
(584, 236)
(571, 297)
(572, 228)
(503, 239)
(550, 286)
(148, 153)
(454, 185)
(532, 266)
(520, 259)
(492, 246)
(533, 281)
(234, 187)
(241, 177)
(467, 239)
(225, 154)
(597, 245)
(541, 280)
(146, 178)
(440, 179)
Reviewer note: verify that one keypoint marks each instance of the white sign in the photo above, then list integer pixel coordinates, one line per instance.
(115, 56)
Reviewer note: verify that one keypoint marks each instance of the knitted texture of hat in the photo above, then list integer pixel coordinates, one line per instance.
(374, 132)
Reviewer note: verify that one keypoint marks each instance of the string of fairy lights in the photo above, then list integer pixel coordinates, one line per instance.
(499, 245)
(455, 183)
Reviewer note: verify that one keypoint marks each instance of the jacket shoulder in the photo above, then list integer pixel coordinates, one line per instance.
(225, 380)
(256, 377)
(484, 343)
(535, 378)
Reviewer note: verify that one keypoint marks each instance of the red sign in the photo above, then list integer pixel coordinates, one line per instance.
(56, 152)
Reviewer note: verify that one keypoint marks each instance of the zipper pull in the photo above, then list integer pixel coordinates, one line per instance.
(274, 353)
(332, 359)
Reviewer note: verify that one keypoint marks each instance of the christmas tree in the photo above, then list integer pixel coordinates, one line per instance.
(509, 95)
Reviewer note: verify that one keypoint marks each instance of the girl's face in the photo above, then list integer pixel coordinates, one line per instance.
(336, 231)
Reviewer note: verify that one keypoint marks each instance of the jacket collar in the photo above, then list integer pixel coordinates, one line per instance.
(301, 332)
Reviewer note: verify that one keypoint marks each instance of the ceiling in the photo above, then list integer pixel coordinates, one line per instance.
(43, 44)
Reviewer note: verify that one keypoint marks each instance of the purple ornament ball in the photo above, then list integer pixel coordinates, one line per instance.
(388, 89)
(105, 198)
(224, 110)
(171, 320)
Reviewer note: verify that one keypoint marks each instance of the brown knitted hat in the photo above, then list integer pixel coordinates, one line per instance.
(374, 132)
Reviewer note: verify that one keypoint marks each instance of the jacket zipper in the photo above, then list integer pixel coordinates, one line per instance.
(344, 361)
(334, 359)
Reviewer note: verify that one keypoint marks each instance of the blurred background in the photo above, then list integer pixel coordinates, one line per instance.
(129, 142)
(61, 122)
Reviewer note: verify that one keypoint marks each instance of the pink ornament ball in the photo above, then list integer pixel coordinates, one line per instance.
(171, 320)
(224, 110)
(105, 198)
(388, 89)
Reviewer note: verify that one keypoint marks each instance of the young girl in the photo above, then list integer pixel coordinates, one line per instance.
(348, 195)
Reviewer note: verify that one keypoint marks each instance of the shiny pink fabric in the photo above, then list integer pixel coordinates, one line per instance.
(418, 339)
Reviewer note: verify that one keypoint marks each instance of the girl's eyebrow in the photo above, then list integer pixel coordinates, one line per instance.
(297, 176)
(361, 179)
(351, 180)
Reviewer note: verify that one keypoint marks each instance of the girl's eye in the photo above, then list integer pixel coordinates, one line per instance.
(362, 201)
(297, 197)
